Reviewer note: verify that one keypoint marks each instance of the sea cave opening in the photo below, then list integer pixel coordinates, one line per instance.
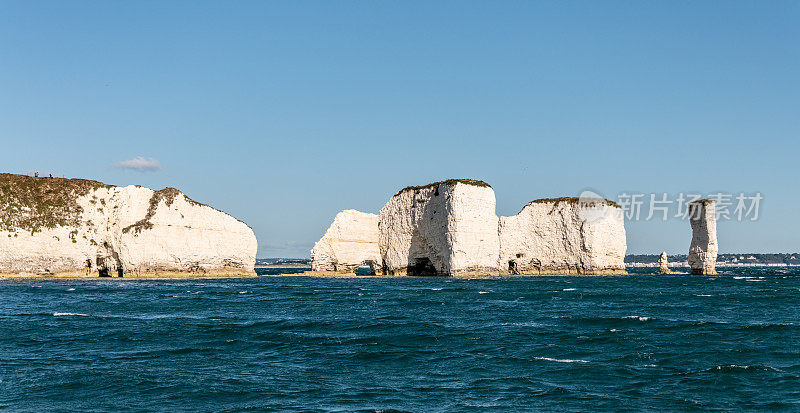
(422, 267)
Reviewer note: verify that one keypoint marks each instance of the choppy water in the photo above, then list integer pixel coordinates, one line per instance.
(417, 344)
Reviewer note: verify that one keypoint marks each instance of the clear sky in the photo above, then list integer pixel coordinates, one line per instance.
(284, 113)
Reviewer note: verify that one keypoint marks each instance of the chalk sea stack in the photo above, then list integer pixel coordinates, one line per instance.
(564, 236)
(451, 228)
(443, 228)
(351, 240)
(703, 249)
(663, 265)
(76, 227)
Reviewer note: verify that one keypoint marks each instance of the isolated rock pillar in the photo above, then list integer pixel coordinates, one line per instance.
(663, 267)
(703, 250)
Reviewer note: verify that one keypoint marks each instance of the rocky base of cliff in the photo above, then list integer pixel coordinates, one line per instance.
(568, 271)
(700, 271)
(222, 273)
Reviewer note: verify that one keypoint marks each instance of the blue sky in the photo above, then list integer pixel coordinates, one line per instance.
(284, 113)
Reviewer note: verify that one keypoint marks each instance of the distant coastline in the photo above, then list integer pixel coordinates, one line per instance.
(719, 264)
(286, 265)
(723, 260)
(301, 263)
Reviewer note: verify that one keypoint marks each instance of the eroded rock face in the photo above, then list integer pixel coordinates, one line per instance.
(445, 228)
(663, 266)
(350, 241)
(80, 227)
(450, 228)
(703, 249)
(564, 236)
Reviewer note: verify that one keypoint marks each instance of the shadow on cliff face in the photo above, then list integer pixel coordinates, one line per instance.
(422, 259)
(108, 262)
(421, 267)
(419, 263)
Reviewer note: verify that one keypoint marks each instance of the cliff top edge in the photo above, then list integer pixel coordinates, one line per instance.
(572, 200)
(450, 182)
(32, 203)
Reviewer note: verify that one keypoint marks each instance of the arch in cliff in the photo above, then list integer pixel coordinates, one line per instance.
(367, 267)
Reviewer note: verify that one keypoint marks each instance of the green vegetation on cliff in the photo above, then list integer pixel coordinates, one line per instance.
(572, 200)
(449, 182)
(167, 195)
(30, 204)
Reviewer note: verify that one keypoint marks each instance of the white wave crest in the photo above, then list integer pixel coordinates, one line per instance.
(561, 360)
(636, 317)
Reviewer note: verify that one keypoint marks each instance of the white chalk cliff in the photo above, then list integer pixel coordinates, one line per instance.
(564, 236)
(450, 228)
(80, 227)
(703, 249)
(446, 227)
(350, 241)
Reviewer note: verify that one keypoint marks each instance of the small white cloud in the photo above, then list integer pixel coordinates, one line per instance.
(139, 163)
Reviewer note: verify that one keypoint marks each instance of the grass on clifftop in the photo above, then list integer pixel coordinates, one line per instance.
(449, 182)
(166, 194)
(572, 200)
(30, 204)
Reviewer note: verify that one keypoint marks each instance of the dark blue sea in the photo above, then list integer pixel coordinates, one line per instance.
(622, 343)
